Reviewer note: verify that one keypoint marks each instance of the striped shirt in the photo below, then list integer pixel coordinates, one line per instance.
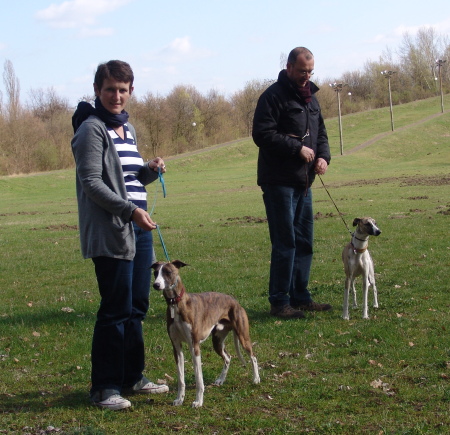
(131, 162)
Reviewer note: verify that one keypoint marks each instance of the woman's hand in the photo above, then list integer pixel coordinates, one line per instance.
(143, 219)
(156, 163)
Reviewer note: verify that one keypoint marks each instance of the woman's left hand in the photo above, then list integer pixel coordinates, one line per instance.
(156, 163)
(143, 219)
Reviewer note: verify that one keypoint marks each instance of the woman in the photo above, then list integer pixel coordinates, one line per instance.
(115, 231)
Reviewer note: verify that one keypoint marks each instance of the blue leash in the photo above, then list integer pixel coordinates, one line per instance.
(162, 243)
(161, 178)
(163, 184)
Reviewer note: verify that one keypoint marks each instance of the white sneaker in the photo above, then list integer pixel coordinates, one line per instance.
(151, 388)
(146, 387)
(114, 402)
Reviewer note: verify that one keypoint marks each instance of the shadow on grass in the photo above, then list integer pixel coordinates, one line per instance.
(37, 402)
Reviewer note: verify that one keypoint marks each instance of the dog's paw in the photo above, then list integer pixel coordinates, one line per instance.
(197, 404)
(219, 381)
(177, 402)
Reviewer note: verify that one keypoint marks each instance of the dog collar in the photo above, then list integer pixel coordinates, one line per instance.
(173, 301)
(361, 240)
(356, 250)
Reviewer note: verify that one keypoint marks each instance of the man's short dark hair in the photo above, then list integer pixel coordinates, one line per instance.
(116, 69)
(292, 58)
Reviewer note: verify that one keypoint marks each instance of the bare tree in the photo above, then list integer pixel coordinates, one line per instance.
(46, 104)
(244, 103)
(12, 86)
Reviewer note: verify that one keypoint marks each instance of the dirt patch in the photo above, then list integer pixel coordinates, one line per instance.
(261, 220)
(244, 220)
(416, 180)
(62, 227)
(320, 215)
(24, 213)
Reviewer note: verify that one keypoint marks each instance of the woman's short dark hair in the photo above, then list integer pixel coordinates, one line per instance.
(116, 69)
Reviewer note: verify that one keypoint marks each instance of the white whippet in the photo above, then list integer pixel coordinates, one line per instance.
(358, 262)
(191, 318)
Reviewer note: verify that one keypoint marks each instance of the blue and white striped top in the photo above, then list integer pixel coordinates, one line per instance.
(131, 162)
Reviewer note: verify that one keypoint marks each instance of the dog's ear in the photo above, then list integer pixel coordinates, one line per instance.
(157, 265)
(178, 264)
(356, 221)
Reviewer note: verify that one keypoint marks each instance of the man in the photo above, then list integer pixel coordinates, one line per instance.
(293, 146)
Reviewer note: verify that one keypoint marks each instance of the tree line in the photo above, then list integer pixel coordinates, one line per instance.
(36, 136)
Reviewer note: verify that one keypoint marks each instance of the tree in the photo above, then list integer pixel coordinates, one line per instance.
(46, 104)
(244, 104)
(12, 86)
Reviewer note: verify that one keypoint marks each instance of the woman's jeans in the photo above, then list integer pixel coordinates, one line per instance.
(291, 227)
(118, 354)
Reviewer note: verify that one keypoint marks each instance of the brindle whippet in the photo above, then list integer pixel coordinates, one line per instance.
(191, 318)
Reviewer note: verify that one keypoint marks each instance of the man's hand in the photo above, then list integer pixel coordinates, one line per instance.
(307, 154)
(321, 166)
(143, 219)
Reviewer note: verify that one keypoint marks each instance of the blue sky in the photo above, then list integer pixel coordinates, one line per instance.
(208, 44)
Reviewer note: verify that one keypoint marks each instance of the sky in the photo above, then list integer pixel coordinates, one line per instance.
(208, 44)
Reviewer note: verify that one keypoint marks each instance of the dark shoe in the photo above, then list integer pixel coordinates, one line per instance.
(286, 312)
(314, 306)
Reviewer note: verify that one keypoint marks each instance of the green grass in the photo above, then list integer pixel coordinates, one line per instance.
(386, 375)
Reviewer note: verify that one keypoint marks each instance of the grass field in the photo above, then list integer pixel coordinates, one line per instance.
(322, 375)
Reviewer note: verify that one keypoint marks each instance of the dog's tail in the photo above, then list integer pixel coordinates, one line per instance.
(238, 348)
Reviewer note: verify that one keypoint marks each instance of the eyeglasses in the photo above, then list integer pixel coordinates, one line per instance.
(306, 73)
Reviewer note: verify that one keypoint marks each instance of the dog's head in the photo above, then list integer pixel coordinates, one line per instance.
(367, 225)
(166, 274)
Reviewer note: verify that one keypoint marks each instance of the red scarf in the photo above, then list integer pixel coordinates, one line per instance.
(305, 92)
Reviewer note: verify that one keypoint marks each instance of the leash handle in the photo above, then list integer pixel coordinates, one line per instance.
(340, 214)
(161, 179)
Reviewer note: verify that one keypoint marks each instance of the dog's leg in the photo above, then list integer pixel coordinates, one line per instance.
(355, 301)
(218, 338)
(241, 335)
(365, 279)
(348, 283)
(179, 359)
(199, 385)
(374, 286)
(256, 378)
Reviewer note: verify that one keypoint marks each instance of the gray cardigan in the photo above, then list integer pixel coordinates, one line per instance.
(104, 212)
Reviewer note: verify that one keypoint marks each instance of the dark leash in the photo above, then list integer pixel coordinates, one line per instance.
(340, 214)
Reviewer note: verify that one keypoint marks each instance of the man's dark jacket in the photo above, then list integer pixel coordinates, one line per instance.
(280, 114)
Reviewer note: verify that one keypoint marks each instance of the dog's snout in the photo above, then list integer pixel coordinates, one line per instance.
(377, 232)
(156, 286)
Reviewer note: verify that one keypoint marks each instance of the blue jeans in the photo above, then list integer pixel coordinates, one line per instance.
(118, 355)
(291, 228)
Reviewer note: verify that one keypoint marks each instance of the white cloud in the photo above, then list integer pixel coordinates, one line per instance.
(89, 32)
(78, 13)
(180, 50)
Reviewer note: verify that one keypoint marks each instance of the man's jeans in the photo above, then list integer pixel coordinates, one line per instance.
(291, 223)
(118, 354)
